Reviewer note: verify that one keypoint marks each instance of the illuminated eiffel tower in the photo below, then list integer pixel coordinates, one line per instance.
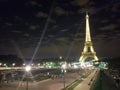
(88, 50)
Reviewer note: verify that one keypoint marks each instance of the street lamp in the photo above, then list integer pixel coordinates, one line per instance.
(13, 64)
(27, 69)
(64, 71)
(59, 61)
(5, 65)
(38, 64)
(23, 64)
(32, 64)
(0, 64)
(60, 57)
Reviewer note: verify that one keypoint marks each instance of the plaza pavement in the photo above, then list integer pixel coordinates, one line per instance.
(49, 84)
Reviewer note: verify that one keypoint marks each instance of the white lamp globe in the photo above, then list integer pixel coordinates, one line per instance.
(28, 68)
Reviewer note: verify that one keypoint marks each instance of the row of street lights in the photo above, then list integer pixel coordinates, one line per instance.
(1, 64)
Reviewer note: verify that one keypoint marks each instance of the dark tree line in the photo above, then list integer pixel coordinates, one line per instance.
(113, 63)
(9, 59)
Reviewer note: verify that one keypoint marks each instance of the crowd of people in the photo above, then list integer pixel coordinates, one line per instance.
(8, 76)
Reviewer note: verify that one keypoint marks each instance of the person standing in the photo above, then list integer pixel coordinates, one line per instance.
(1, 76)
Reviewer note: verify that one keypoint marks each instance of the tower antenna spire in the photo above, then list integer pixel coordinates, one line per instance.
(86, 12)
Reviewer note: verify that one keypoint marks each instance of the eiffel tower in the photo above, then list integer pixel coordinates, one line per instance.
(88, 50)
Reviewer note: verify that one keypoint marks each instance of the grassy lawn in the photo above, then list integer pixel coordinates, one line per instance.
(97, 83)
(72, 85)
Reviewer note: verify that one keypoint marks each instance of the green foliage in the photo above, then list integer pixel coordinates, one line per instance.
(9, 59)
(72, 85)
(97, 83)
(76, 82)
(114, 63)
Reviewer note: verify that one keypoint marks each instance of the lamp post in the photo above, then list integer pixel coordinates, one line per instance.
(64, 71)
(27, 69)
(0, 64)
(38, 64)
(60, 57)
(5, 64)
(24, 64)
(13, 64)
(59, 61)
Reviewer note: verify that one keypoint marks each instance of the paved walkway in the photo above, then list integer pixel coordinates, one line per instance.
(86, 83)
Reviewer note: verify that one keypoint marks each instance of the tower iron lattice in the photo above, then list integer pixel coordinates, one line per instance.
(88, 50)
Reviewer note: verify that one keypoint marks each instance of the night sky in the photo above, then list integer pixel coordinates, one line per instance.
(53, 28)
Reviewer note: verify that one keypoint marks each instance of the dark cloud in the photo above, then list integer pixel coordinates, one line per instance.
(3, 0)
(41, 15)
(33, 2)
(108, 27)
(79, 2)
(52, 21)
(26, 34)
(16, 31)
(8, 24)
(116, 7)
(33, 27)
(60, 11)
